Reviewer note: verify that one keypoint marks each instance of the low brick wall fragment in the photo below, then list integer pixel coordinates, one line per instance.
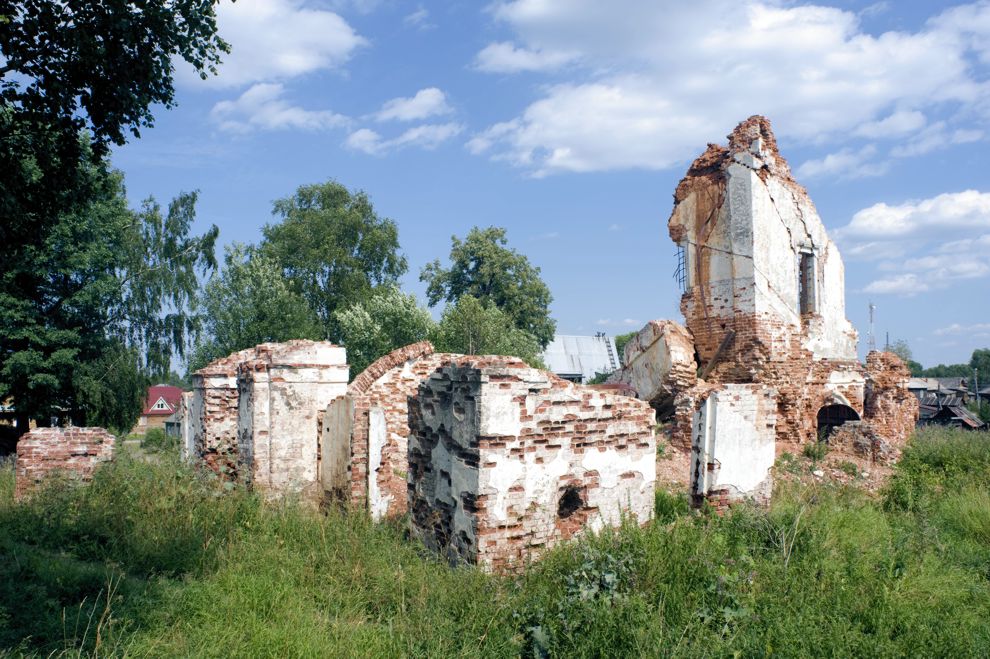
(74, 453)
(506, 461)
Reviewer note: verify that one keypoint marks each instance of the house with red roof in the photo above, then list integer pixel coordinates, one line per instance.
(162, 402)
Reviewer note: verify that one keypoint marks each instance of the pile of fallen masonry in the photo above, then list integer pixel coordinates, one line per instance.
(494, 461)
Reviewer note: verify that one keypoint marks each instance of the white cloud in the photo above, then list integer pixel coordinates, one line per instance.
(955, 210)
(936, 136)
(278, 39)
(905, 284)
(426, 103)
(262, 107)
(895, 125)
(980, 329)
(845, 164)
(426, 136)
(930, 244)
(505, 57)
(419, 19)
(648, 84)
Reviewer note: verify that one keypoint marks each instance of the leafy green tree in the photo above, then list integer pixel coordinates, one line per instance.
(106, 283)
(84, 282)
(74, 65)
(901, 348)
(384, 322)
(470, 327)
(981, 362)
(484, 268)
(334, 247)
(250, 302)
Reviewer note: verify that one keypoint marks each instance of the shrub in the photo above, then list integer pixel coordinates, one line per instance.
(156, 439)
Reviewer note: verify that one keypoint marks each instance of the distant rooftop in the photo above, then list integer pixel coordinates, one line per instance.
(580, 358)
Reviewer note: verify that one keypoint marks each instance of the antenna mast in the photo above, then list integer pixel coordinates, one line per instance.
(873, 336)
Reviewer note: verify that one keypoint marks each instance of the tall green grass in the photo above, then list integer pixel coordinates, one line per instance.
(158, 560)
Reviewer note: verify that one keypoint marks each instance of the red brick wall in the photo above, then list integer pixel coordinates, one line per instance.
(387, 384)
(73, 452)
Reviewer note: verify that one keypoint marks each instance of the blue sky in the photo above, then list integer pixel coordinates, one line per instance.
(570, 122)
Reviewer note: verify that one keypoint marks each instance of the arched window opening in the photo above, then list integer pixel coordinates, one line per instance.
(831, 417)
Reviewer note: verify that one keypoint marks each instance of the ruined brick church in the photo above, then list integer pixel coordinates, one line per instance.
(494, 461)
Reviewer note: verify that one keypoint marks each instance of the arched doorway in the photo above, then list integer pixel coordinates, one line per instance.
(831, 417)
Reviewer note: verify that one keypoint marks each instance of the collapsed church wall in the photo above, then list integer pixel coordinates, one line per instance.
(764, 304)
(506, 460)
(365, 432)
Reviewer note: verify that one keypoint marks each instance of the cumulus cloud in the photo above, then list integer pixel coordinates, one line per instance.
(925, 245)
(845, 164)
(505, 57)
(426, 103)
(426, 136)
(969, 209)
(648, 84)
(278, 39)
(262, 107)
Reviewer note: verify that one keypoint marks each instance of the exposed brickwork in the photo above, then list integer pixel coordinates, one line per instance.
(890, 408)
(72, 452)
(506, 460)
(213, 413)
(764, 304)
(380, 443)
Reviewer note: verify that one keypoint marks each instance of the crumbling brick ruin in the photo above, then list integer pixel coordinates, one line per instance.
(74, 453)
(506, 460)
(213, 413)
(764, 305)
(254, 415)
(282, 392)
(365, 432)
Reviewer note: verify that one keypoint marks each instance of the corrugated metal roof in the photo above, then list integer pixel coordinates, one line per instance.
(581, 357)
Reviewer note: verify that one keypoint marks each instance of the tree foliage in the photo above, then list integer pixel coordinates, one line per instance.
(79, 65)
(388, 320)
(481, 266)
(334, 247)
(250, 302)
(107, 288)
(471, 327)
(90, 291)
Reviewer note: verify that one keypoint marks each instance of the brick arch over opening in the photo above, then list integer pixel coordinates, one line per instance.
(832, 416)
(384, 364)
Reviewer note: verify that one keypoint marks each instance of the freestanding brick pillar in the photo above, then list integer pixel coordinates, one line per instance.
(72, 452)
(281, 394)
(506, 460)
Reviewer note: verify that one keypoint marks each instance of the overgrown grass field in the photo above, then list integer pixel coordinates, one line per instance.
(155, 559)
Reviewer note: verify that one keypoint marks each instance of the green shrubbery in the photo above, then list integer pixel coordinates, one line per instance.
(156, 439)
(826, 571)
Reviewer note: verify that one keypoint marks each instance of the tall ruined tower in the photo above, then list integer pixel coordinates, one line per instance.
(763, 281)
